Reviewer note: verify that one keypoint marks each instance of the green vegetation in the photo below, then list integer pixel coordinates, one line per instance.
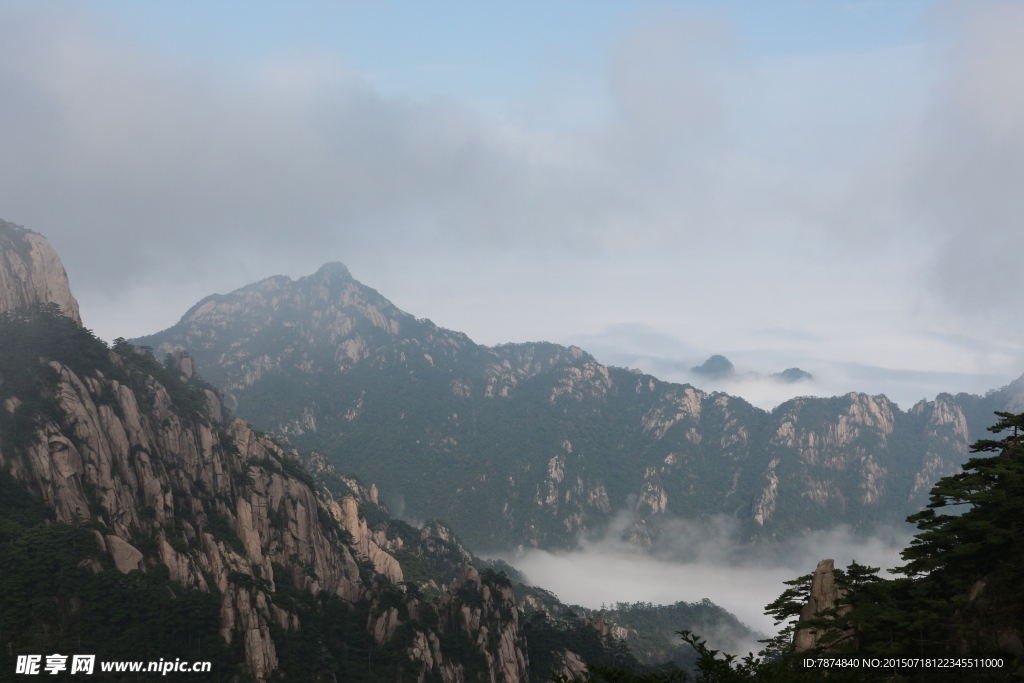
(332, 639)
(482, 462)
(52, 602)
(959, 596)
(548, 637)
(188, 399)
(220, 527)
(536, 444)
(59, 591)
(30, 338)
(652, 629)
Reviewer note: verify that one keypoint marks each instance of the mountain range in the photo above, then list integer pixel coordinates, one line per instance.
(537, 444)
(141, 521)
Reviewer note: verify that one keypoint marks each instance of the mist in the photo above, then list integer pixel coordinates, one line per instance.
(691, 561)
(671, 359)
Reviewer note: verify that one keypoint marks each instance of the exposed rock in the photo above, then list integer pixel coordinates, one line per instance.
(382, 625)
(1013, 396)
(31, 272)
(347, 513)
(150, 453)
(569, 665)
(825, 595)
(146, 467)
(598, 623)
(994, 624)
(766, 505)
(485, 612)
(154, 459)
(126, 556)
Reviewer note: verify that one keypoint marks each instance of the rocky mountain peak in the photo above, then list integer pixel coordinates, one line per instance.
(31, 272)
(715, 367)
(335, 270)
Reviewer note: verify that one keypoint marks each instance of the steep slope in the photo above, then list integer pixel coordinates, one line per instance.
(31, 272)
(139, 521)
(127, 481)
(537, 443)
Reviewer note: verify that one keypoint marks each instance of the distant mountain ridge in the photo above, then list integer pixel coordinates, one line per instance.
(536, 444)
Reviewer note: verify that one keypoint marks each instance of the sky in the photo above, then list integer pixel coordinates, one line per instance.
(832, 185)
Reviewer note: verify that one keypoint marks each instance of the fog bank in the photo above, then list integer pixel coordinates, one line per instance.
(694, 561)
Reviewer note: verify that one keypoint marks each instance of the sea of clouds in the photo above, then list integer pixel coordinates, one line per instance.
(692, 560)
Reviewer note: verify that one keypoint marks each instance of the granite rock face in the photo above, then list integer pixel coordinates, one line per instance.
(483, 610)
(31, 272)
(223, 509)
(147, 470)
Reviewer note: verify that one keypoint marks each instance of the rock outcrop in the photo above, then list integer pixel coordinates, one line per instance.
(134, 449)
(482, 610)
(988, 619)
(569, 665)
(31, 272)
(825, 596)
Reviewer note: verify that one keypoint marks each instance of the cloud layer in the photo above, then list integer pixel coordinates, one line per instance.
(866, 200)
(697, 560)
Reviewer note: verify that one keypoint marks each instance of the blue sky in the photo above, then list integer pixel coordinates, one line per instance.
(494, 51)
(831, 185)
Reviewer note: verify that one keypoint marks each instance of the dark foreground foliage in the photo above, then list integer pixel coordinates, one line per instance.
(52, 602)
(547, 637)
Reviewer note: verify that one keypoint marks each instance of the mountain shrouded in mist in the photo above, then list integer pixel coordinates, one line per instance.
(536, 444)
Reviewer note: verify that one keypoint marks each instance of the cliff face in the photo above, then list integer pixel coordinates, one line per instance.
(208, 500)
(31, 272)
(144, 457)
(536, 444)
(485, 612)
